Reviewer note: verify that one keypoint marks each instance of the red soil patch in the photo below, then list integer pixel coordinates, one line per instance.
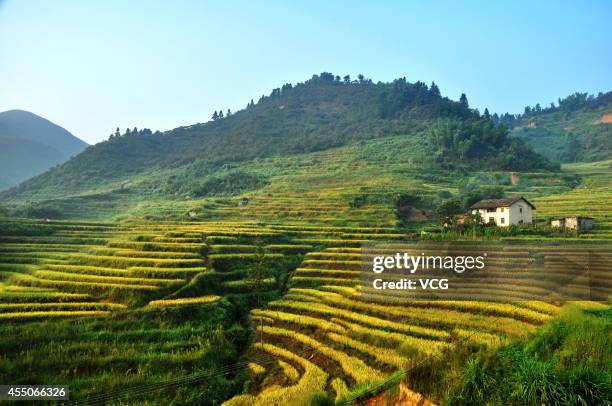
(605, 119)
(417, 215)
(514, 178)
(404, 397)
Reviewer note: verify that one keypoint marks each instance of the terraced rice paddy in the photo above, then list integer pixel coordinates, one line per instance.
(86, 283)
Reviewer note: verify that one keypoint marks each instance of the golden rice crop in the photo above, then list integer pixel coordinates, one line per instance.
(431, 347)
(352, 366)
(289, 370)
(360, 318)
(314, 379)
(15, 307)
(121, 262)
(386, 356)
(256, 369)
(88, 269)
(185, 301)
(433, 317)
(17, 316)
(479, 337)
(130, 253)
(339, 386)
(310, 280)
(94, 286)
(299, 319)
(67, 276)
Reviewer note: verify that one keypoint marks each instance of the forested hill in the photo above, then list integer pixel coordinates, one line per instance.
(576, 129)
(323, 112)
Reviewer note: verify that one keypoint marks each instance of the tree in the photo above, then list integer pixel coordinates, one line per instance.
(279, 269)
(347, 79)
(434, 90)
(220, 114)
(404, 204)
(127, 131)
(360, 78)
(257, 273)
(447, 209)
(486, 114)
(464, 101)
(572, 149)
(215, 116)
(117, 132)
(229, 113)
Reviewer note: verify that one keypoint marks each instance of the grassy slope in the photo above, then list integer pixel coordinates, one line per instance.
(325, 186)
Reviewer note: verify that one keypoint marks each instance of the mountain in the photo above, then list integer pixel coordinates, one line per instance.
(321, 113)
(578, 129)
(30, 144)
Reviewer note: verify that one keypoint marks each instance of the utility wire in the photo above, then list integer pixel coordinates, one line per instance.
(147, 388)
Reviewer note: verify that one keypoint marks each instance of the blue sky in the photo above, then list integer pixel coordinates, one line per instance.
(91, 66)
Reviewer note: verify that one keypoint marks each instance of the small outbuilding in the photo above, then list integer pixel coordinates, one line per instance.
(574, 223)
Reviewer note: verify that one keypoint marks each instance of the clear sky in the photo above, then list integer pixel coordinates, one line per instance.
(91, 66)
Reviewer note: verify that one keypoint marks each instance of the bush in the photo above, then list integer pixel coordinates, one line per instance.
(568, 362)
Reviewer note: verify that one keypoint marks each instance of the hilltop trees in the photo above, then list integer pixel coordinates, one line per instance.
(570, 103)
(117, 134)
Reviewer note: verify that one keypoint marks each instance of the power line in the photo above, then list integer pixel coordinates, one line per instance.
(148, 388)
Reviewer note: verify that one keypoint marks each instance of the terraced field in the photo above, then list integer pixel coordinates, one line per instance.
(123, 299)
(328, 324)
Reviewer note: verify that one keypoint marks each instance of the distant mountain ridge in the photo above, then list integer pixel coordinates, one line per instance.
(30, 144)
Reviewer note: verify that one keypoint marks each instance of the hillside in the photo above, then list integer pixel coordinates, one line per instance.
(578, 129)
(321, 113)
(128, 298)
(29, 145)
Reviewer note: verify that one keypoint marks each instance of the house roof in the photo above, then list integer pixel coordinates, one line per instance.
(494, 203)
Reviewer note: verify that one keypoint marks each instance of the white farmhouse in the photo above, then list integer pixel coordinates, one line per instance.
(504, 212)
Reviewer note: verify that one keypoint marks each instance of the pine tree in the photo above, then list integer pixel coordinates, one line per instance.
(215, 116)
(229, 113)
(486, 114)
(435, 91)
(117, 132)
(220, 114)
(464, 101)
